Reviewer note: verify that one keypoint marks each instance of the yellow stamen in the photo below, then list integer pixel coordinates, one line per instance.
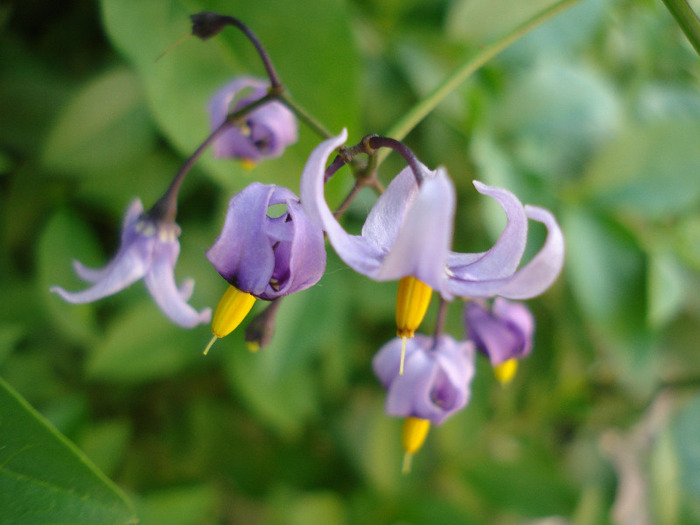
(412, 300)
(506, 371)
(415, 430)
(232, 309)
(248, 164)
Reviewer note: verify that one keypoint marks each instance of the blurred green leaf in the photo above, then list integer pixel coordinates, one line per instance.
(685, 431)
(554, 115)
(606, 270)
(65, 238)
(192, 505)
(105, 443)
(648, 171)
(45, 479)
(104, 125)
(666, 288)
(141, 345)
(10, 334)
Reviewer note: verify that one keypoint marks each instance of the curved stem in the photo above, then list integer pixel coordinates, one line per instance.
(208, 24)
(687, 20)
(411, 119)
(375, 142)
(285, 98)
(165, 208)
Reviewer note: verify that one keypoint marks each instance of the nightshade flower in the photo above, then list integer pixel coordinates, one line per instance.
(261, 256)
(408, 234)
(504, 333)
(264, 133)
(434, 384)
(148, 250)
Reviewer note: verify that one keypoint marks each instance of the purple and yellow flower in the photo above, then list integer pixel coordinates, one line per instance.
(434, 385)
(149, 249)
(264, 133)
(408, 234)
(504, 333)
(262, 256)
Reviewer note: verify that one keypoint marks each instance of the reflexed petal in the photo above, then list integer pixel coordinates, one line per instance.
(533, 278)
(128, 235)
(160, 281)
(354, 250)
(539, 274)
(504, 257)
(129, 265)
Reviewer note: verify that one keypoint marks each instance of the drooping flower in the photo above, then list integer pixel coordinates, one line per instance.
(262, 256)
(264, 133)
(504, 333)
(408, 232)
(149, 249)
(435, 382)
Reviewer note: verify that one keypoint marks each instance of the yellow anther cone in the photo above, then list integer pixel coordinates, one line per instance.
(505, 372)
(412, 301)
(415, 430)
(232, 309)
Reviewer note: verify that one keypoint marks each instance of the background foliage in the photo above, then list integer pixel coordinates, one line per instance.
(595, 115)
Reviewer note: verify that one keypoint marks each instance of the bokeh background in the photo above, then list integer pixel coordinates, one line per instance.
(595, 115)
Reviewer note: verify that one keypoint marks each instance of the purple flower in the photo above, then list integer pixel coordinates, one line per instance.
(503, 333)
(408, 233)
(265, 131)
(265, 256)
(148, 250)
(435, 382)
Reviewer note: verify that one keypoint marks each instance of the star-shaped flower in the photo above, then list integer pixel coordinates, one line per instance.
(148, 250)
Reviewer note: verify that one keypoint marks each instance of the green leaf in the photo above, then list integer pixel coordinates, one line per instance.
(193, 505)
(104, 126)
(44, 478)
(649, 171)
(666, 288)
(65, 238)
(606, 270)
(142, 345)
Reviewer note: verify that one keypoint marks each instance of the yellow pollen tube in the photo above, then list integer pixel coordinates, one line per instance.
(232, 309)
(412, 301)
(506, 371)
(415, 430)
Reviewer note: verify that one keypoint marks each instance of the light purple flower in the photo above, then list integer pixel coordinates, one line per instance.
(435, 382)
(503, 333)
(265, 131)
(265, 256)
(148, 250)
(408, 232)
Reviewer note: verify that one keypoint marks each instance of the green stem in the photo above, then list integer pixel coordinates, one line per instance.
(687, 19)
(303, 115)
(411, 119)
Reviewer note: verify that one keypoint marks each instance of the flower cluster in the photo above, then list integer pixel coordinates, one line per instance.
(272, 245)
